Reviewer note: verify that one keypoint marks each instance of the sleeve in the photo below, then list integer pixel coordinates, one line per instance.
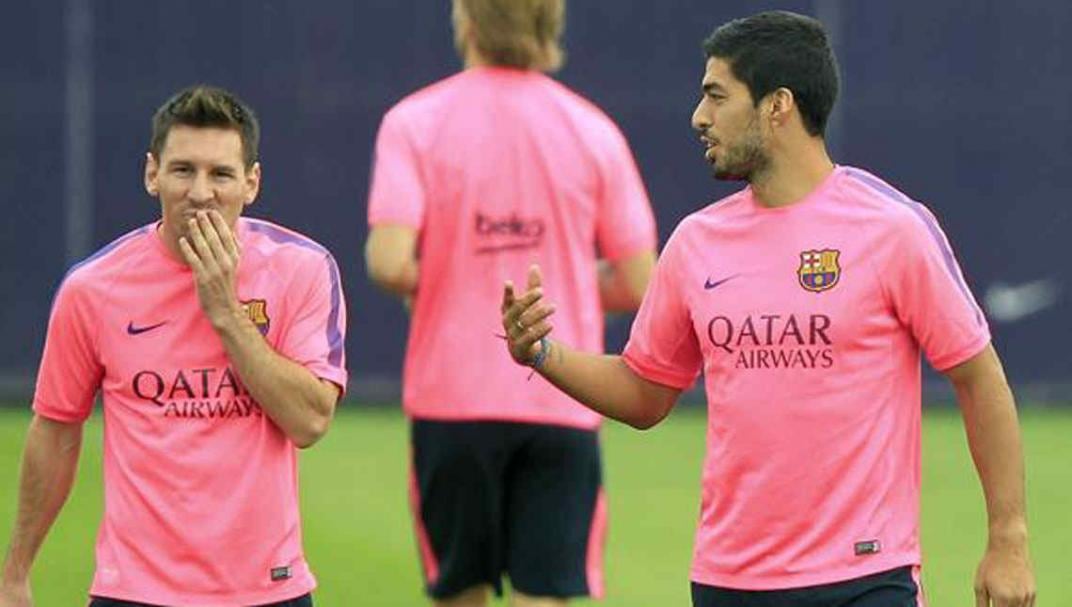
(315, 335)
(626, 224)
(396, 193)
(662, 346)
(930, 296)
(70, 373)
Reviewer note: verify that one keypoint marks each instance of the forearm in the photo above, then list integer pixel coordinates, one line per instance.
(993, 433)
(622, 283)
(288, 393)
(400, 281)
(49, 463)
(605, 384)
(994, 439)
(391, 258)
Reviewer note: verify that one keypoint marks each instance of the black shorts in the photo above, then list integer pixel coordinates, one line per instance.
(306, 600)
(894, 588)
(500, 498)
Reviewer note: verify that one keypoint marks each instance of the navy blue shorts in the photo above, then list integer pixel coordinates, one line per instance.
(100, 601)
(894, 588)
(495, 499)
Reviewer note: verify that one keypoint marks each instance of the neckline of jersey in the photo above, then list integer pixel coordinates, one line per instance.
(816, 194)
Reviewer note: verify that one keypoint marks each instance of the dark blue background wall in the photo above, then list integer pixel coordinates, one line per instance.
(963, 105)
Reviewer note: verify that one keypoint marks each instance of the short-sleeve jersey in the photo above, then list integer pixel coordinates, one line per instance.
(200, 486)
(497, 169)
(807, 322)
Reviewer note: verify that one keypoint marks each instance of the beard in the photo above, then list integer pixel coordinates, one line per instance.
(743, 160)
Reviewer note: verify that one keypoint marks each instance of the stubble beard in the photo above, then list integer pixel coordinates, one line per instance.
(744, 161)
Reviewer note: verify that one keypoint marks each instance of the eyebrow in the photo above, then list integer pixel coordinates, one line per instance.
(713, 87)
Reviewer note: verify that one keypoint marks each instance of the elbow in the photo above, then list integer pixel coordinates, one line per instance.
(647, 419)
(394, 278)
(312, 432)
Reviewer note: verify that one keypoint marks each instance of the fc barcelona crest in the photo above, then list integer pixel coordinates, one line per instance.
(819, 269)
(257, 310)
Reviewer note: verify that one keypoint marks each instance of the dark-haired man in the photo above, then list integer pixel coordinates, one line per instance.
(806, 300)
(216, 343)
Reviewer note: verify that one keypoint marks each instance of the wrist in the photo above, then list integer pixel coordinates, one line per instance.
(539, 361)
(230, 321)
(1011, 533)
(14, 575)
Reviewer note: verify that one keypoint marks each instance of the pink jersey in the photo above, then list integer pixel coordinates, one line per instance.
(498, 169)
(807, 322)
(201, 488)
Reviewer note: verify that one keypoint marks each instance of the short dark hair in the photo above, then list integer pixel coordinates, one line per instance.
(777, 49)
(207, 106)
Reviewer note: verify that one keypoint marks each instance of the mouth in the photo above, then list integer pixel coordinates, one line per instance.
(709, 147)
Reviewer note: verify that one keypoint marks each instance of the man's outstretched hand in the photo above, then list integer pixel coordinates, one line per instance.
(525, 318)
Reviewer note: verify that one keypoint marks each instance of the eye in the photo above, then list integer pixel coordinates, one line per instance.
(181, 170)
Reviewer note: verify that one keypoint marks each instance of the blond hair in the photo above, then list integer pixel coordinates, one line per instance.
(515, 33)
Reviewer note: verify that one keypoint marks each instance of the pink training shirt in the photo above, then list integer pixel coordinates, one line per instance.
(201, 487)
(808, 322)
(497, 169)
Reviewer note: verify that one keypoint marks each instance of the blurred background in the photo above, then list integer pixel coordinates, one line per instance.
(962, 105)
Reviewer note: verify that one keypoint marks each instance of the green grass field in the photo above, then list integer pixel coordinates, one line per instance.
(359, 542)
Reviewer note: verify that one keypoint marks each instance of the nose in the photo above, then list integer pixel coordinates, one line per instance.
(201, 190)
(701, 120)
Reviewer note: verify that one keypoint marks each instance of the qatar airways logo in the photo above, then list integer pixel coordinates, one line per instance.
(507, 233)
(774, 341)
(206, 393)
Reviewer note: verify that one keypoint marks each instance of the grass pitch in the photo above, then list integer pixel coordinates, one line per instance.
(359, 542)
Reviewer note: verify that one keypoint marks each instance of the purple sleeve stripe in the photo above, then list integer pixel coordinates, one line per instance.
(936, 233)
(282, 236)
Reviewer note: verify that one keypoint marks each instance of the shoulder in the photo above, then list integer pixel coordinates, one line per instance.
(415, 104)
(108, 261)
(273, 241)
(891, 209)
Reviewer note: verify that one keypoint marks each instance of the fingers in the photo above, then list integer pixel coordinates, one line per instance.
(209, 223)
(190, 256)
(535, 278)
(508, 296)
(226, 236)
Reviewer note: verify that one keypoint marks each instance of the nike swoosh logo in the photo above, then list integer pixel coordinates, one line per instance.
(1010, 303)
(132, 330)
(711, 285)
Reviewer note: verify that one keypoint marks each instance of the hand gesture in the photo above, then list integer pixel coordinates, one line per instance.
(211, 250)
(525, 318)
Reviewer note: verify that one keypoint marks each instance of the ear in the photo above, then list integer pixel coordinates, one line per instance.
(253, 183)
(152, 173)
(781, 106)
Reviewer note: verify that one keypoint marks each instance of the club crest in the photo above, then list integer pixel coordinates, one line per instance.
(257, 310)
(819, 269)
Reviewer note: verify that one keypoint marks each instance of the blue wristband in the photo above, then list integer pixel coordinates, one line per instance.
(541, 356)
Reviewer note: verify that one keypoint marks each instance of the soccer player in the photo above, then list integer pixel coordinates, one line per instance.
(475, 177)
(805, 299)
(216, 343)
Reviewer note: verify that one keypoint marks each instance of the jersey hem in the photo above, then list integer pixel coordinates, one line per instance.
(648, 372)
(59, 415)
(415, 414)
(263, 598)
(803, 580)
(963, 354)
